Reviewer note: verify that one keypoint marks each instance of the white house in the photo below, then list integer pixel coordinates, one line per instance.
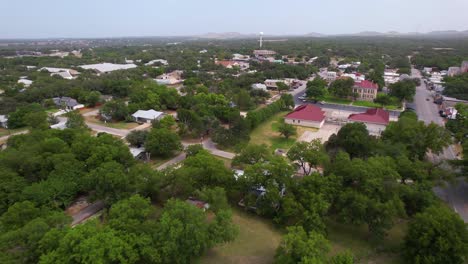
(163, 62)
(3, 121)
(108, 67)
(259, 86)
(272, 84)
(26, 83)
(146, 116)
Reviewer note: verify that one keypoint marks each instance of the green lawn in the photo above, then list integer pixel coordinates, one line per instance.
(376, 105)
(267, 133)
(258, 239)
(335, 100)
(256, 242)
(356, 239)
(117, 125)
(6, 132)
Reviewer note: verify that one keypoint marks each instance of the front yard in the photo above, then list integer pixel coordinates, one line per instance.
(117, 125)
(267, 133)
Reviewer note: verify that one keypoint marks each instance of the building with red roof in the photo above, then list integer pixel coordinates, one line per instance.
(306, 115)
(375, 119)
(366, 90)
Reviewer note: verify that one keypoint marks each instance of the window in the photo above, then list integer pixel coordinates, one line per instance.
(298, 121)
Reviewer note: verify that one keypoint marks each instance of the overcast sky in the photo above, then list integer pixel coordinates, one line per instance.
(112, 18)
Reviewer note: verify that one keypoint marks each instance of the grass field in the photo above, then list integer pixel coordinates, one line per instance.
(372, 104)
(118, 125)
(267, 133)
(256, 242)
(258, 239)
(335, 100)
(356, 240)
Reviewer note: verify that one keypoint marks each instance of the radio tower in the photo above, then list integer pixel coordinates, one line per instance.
(261, 39)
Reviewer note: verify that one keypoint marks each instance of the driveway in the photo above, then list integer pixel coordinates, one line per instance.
(87, 212)
(323, 133)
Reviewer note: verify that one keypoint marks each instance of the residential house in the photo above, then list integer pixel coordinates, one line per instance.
(3, 121)
(427, 69)
(26, 83)
(68, 74)
(198, 203)
(391, 76)
(259, 86)
(306, 115)
(171, 78)
(67, 103)
(365, 90)
(108, 67)
(357, 77)
(160, 61)
(264, 53)
(229, 64)
(375, 119)
(452, 71)
(240, 57)
(203, 51)
(464, 67)
(147, 116)
(272, 84)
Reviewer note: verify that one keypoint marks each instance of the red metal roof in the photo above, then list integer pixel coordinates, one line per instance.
(375, 116)
(366, 84)
(307, 112)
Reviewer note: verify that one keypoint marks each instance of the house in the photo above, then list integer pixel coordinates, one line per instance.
(464, 67)
(306, 115)
(147, 116)
(229, 64)
(240, 57)
(67, 103)
(138, 153)
(198, 203)
(357, 77)
(366, 90)
(391, 76)
(427, 69)
(160, 61)
(272, 84)
(330, 76)
(203, 51)
(172, 78)
(264, 53)
(3, 121)
(375, 119)
(60, 125)
(26, 83)
(452, 71)
(108, 67)
(259, 86)
(68, 74)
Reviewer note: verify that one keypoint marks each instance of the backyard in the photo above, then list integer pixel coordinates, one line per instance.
(267, 133)
(258, 239)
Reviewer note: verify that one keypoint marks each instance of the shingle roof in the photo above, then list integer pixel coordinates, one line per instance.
(147, 114)
(375, 116)
(307, 112)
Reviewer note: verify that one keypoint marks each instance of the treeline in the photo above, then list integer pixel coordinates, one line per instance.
(43, 172)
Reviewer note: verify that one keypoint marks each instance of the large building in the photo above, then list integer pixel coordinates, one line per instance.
(366, 90)
(464, 67)
(375, 119)
(108, 67)
(306, 115)
(264, 53)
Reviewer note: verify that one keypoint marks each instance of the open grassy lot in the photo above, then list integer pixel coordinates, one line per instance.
(258, 239)
(118, 125)
(357, 240)
(376, 105)
(6, 132)
(335, 100)
(267, 133)
(256, 243)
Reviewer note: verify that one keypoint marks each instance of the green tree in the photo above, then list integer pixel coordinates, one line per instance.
(162, 142)
(436, 235)
(298, 246)
(114, 110)
(403, 90)
(287, 130)
(137, 138)
(309, 155)
(352, 138)
(75, 120)
(252, 154)
(92, 98)
(342, 87)
(282, 87)
(36, 120)
(317, 88)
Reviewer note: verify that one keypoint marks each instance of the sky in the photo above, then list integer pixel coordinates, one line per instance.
(118, 18)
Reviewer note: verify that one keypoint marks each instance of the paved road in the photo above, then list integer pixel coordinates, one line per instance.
(429, 112)
(211, 147)
(87, 212)
(455, 193)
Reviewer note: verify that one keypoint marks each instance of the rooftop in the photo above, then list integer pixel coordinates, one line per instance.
(366, 84)
(147, 114)
(307, 112)
(108, 67)
(374, 115)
